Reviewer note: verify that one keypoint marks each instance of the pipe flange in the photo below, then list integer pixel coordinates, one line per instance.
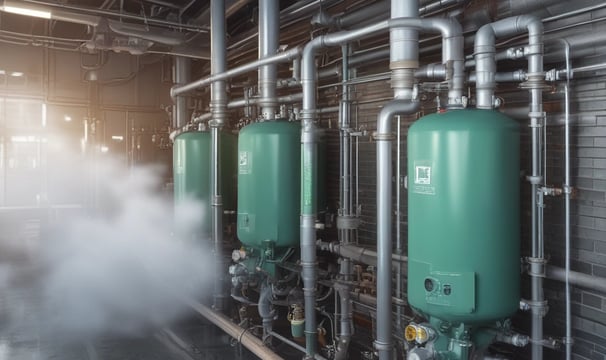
(537, 119)
(216, 200)
(537, 267)
(535, 81)
(538, 307)
(383, 137)
(381, 346)
(534, 180)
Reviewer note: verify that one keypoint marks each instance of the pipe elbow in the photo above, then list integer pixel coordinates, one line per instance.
(533, 24)
(484, 40)
(448, 27)
(391, 109)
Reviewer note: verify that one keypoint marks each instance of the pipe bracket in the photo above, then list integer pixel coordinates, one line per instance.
(537, 118)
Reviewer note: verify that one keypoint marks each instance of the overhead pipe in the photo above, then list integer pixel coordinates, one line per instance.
(484, 49)
(73, 10)
(182, 74)
(286, 56)
(218, 109)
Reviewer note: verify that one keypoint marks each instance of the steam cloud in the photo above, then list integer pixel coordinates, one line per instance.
(122, 272)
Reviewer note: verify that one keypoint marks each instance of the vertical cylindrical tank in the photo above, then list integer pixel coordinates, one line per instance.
(191, 172)
(463, 201)
(269, 158)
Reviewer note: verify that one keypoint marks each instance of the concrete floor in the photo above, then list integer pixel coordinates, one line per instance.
(26, 334)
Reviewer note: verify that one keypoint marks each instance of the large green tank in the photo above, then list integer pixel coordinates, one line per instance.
(463, 203)
(269, 158)
(191, 172)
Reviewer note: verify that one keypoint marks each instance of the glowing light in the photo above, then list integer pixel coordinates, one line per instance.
(67, 118)
(104, 149)
(27, 12)
(43, 115)
(117, 137)
(17, 74)
(24, 139)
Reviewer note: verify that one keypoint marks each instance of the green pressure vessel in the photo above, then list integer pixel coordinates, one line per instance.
(191, 172)
(463, 203)
(269, 158)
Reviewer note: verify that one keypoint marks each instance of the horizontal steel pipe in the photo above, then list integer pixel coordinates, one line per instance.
(251, 342)
(285, 56)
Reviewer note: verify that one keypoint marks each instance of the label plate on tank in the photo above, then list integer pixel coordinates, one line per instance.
(245, 162)
(422, 183)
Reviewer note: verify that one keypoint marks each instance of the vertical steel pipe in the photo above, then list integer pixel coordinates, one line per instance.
(567, 193)
(309, 171)
(181, 76)
(345, 211)
(484, 49)
(218, 109)
(269, 37)
(384, 138)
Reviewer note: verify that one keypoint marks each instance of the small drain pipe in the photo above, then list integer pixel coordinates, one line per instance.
(484, 49)
(218, 109)
(266, 310)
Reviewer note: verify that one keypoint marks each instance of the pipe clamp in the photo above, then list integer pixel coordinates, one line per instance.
(383, 137)
(537, 267)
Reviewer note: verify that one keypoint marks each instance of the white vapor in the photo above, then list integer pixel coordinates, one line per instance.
(125, 271)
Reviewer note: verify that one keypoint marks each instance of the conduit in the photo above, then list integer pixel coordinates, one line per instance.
(218, 109)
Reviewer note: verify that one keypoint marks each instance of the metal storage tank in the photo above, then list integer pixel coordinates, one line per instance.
(191, 171)
(463, 201)
(269, 158)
